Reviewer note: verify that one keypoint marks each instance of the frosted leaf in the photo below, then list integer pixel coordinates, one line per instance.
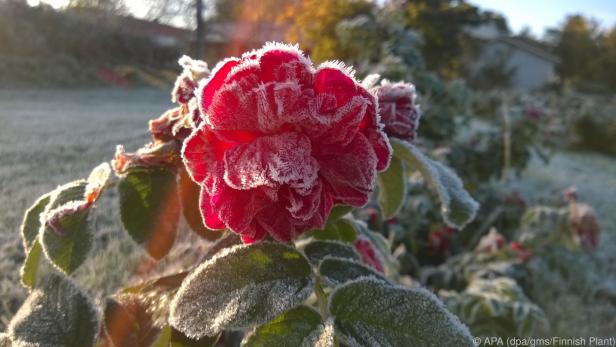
(317, 250)
(301, 326)
(241, 287)
(150, 208)
(96, 181)
(337, 271)
(457, 206)
(392, 188)
(30, 268)
(497, 305)
(66, 237)
(368, 312)
(56, 315)
(65, 234)
(32, 221)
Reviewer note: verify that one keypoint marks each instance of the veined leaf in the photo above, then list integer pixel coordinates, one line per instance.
(457, 206)
(150, 208)
(392, 188)
(241, 287)
(300, 327)
(30, 268)
(337, 271)
(56, 314)
(371, 313)
(317, 250)
(32, 221)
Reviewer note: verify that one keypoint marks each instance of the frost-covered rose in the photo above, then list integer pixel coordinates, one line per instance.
(193, 72)
(398, 109)
(281, 142)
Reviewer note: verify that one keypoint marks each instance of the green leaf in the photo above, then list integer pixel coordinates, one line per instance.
(180, 340)
(68, 242)
(337, 271)
(301, 326)
(371, 313)
(189, 195)
(457, 206)
(317, 250)
(341, 229)
(31, 265)
(338, 212)
(128, 322)
(392, 188)
(497, 307)
(241, 287)
(32, 221)
(65, 236)
(150, 208)
(57, 314)
(73, 191)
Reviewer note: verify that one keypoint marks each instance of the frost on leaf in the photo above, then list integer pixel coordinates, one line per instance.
(392, 188)
(241, 287)
(337, 271)
(301, 327)
(150, 207)
(32, 221)
(57, 314)
(64, 233)
(371, 313)
(317, 250)
(30, 268)
(457, 206)
(497, 307)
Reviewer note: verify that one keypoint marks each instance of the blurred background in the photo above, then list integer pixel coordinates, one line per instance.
(517, 96)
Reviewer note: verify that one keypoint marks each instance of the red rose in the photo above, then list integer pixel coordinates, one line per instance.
(281, 143)
(185, 85)
(438, 240)
(369, 256)
(398, 109)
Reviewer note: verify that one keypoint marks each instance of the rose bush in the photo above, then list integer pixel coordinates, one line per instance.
(266, 146)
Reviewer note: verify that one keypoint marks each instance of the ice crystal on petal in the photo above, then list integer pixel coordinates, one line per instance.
(282, 142)
(398, 109)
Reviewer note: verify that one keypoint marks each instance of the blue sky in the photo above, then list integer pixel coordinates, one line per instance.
(542, 14)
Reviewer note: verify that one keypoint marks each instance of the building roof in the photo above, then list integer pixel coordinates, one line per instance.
(530, 46)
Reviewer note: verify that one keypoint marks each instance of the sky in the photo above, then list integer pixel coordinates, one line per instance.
(537, 15)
